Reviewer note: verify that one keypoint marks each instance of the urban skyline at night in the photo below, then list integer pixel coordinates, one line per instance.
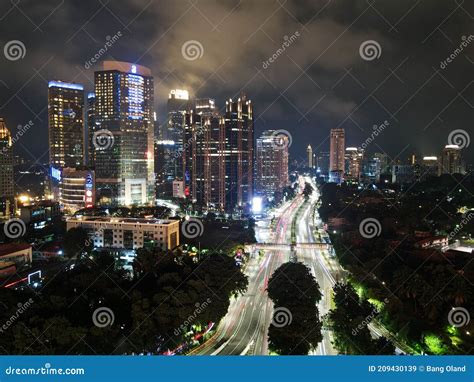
(238, 177)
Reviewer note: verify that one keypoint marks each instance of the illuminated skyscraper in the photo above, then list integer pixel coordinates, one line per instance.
(272, 164)
(203, 158)
(123, 139)
(309, 151)
(66, 124)
(451, 161)
(178, 103)
(354, 157)
(336, 154)
(6, 171)
(91, 128)
(238, 153)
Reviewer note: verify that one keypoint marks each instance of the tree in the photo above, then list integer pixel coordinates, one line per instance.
(76, 242)
(296, 327)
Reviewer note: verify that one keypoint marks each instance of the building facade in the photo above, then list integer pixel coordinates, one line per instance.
(65, 124)
(336, 154)
(123, 140)
(77, 189)
(127, 233)
(271, 164)
(6, 172)
(451, 161)
(238, 152)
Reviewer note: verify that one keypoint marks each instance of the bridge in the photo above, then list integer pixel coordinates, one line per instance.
(286, 247)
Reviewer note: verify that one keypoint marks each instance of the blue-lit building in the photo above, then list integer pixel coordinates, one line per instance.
(123, 136)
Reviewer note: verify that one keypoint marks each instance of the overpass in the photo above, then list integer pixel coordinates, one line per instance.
(286, 247)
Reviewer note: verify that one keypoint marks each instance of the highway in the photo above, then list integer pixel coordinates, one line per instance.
(243, 331)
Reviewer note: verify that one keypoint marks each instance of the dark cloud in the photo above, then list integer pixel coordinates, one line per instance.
(318, 82)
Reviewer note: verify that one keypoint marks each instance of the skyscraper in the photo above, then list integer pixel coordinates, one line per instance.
(354, 157)
(238, 153)
(91, 129)
(309, 151)
(203, 158)
(178, 103)
(451, 160)
(272, 164)
(336, 152)
(6, 171)
(66, 124)
(123, 140)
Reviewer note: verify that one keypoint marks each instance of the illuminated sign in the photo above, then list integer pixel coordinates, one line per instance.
(56, 174)
(134, 68)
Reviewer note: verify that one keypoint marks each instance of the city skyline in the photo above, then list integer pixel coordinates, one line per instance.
(340, 85)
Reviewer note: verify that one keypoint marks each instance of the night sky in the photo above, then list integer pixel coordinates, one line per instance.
(319, 82)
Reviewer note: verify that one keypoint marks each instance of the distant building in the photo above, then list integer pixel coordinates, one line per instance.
(128, 233)
(65, 124)
(165, 167)
(336, 152)
(91, 129)
(124, 144)
(40, 213)
(403, 173)
(309, 152)
(430, 166)
(20, 254)
(451, 161)
(6, 172)
(271, 164)
(77, 189)
(178, 189)
(322, 163)
(354, 157)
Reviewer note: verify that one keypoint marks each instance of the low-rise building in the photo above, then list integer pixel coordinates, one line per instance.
(20, 254)
(129, 233)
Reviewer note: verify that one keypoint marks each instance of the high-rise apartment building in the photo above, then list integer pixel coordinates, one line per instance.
(271, 163)
(66, 124)
(123, 140)
(6, 172)
(451, 161)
